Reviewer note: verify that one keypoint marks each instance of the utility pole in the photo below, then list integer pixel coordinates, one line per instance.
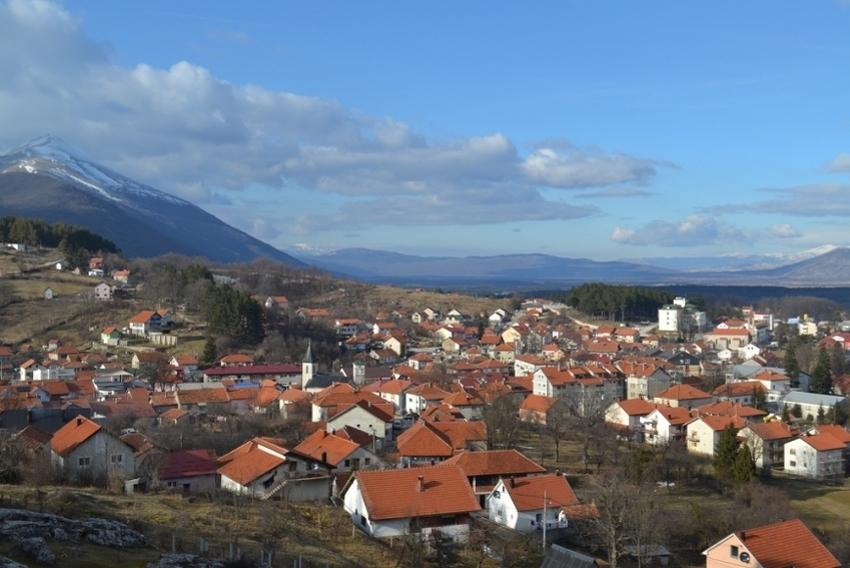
(545, 500)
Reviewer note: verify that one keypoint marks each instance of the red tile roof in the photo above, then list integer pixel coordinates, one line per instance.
(494, 462)
(73, 434)
(682, 392)
(789, 543)
(637, 406)
(824, 442)
(187, 463)
(423, 440)
(529, 493)
(325, 447)
(775, 430)
(396, 493)
(537, 403)
(248, 466)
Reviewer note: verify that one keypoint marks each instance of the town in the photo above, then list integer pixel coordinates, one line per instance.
(531, 430)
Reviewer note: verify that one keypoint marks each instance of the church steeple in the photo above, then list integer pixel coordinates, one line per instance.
(307, 368)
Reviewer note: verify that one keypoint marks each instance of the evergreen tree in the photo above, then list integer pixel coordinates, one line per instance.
(821, 382)
(837, 360)
(759, 400)
(725, 454)
(821, 415)
(797, 411)
(744, 468)
(786, 416)
(792, 367)
(210, 353)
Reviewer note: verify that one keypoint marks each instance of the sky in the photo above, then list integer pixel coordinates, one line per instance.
(605, 130)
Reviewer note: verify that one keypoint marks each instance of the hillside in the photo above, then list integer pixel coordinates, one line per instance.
(46, 180)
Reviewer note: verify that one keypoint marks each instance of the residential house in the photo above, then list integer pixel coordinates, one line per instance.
(683, 395)
(740, 392)
(260, 466)
(276, 303)
(665, 424)
(766, 441)
(397, 502)
(485, 469)
(84, 451)
(626, 415)
(395, 391)
(703, 433)
(778, 545)
(188, 471)
(365, 416)
(338, 452)
(110, 336)
(818, 456)
(535, 409)
(418, 398)
(645, 380)
(526, 504)
(810, 404)
(144, 322)
(728, 338)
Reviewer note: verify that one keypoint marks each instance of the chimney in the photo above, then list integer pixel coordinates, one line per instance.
(513, 481)
(421, 480)
(558, 471)
(79, 420)
(325, 457)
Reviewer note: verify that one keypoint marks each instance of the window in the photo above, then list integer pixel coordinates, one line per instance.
(171, 484)
(116, 458)
(367, 461)
(85, 462)
(347, 463)
(733, 551)
(293, 466)
(793, 452)
(792, 463)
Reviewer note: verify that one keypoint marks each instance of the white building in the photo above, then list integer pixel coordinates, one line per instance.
(815, 457)
(525, 503)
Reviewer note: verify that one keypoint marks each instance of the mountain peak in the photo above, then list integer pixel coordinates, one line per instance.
(47, 146)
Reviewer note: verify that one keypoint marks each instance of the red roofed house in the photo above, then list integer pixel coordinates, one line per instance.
(87, 452)
(767, 442)
(484, 469)
(340, 452)
(626, 414)
(685, 396)
(395, 502)
(665, 424)
(189, 471)
(145, 322)
(820, 456)
(374, 419)
(535, 408)
(703, 433)
(260, 466)
(526, 503)
(779, 545)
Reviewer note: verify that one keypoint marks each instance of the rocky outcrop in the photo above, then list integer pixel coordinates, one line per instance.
(20, 525)
(184, 561)
(9, 563)
(36, 548)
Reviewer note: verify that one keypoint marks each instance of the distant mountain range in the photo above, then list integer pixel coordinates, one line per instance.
(47, 180)
(830, 268)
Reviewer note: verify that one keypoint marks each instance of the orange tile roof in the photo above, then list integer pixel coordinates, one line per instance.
(248, 466)
(637, 406)
(838, 432)
(824, 442)
(674, 415)
(494, 462)
(424, 441)
(73, 434)
(726, 408)
(788, 543)
(395, 386)
(529, 493)
(537, 403)
(740, 388)
(682, 392)
(775, 430)
(142, 317)
(718, 423)
(461, 432)
(325, 447)
(396, 493)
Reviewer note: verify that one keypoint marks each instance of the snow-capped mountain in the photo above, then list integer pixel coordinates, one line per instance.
(49, 180)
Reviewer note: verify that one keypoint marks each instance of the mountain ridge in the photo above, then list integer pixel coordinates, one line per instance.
(49, 180)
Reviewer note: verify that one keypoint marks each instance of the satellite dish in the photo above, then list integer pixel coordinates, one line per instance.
(744, 557)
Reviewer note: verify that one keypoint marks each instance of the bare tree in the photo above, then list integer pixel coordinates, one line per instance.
(503, 423)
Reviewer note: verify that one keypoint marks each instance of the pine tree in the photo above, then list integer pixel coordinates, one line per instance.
(837, 360)
(744, 468)
(786, 416)
(725, 454)
(821, 415)
(759, 400)
(792, 367)
(821, 382)
(797, 410)
(210, 353)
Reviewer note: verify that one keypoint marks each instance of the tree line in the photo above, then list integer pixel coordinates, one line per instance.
(75, 243)
(616, 301)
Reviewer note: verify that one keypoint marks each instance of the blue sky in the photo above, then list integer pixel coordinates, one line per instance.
(599, 129)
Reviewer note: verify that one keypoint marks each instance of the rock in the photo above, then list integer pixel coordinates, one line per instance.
(9, 563)
(36, 547)
(184, 561)
(113, 534)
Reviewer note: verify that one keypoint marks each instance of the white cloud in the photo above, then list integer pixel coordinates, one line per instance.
(184, 130)
(693, 230)
(839, 164)
(819, 200)
(784, 231)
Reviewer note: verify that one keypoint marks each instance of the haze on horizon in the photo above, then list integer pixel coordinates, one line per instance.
(623, 130)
